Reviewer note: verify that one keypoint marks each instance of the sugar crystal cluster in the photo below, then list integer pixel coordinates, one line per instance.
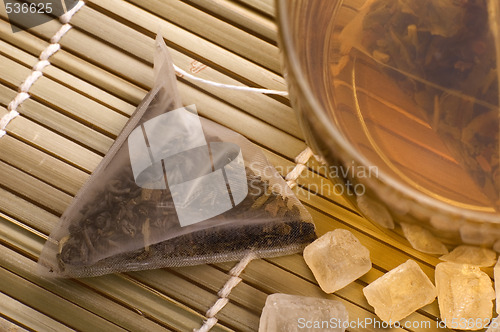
(471, 255)
(292, 313)
(422, 240)
(375, 211)
(400, 292)
(465, 294)
(336, 259)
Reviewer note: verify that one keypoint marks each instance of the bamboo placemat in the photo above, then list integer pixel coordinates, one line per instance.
(78, 107)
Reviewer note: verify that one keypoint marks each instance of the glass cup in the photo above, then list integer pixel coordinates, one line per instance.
(400, 97)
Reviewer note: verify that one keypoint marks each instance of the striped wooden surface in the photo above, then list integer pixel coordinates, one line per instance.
(77, 109)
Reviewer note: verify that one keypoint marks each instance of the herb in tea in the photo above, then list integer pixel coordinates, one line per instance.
(442, 54)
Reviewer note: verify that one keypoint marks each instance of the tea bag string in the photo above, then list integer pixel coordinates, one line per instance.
(229, 86)
(291, 179)
(36, 71)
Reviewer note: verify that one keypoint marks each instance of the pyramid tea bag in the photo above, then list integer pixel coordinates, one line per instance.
(175, 189)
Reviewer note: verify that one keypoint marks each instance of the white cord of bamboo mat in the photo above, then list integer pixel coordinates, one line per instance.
(235, 272)
(300, 161)
(224, 293)
(36, 71)
(229, 86)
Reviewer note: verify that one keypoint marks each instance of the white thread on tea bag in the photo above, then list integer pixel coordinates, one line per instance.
(229, 86)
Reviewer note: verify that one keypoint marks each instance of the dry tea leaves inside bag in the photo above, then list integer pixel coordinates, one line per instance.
(175, 189)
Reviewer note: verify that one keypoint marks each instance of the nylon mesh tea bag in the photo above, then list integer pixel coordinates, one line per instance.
(175, 189)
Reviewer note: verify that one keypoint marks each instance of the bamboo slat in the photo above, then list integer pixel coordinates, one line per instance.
(52, 305)
(112, 121)
(142, 45)
(214, 54)
(151, 303)
(219, 33)
(37, 191)
(267, 107)
(265, 6)
(24, 315)
(79, 294)
(41, 165)
(68, 80)
(48, 141)
(7, 325)
(135, 297)
(87, 71)
(213, 279)
(44, 115)
(28, 215)
(85, 109)
(240, 16)
(186, 292)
